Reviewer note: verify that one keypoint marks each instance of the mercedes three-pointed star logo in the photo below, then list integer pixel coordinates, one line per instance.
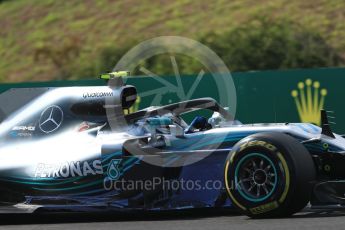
(51, 119)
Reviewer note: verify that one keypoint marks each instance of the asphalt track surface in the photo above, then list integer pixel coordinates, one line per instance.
(162, 221)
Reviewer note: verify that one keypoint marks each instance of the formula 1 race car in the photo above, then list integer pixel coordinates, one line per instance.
(75, 149)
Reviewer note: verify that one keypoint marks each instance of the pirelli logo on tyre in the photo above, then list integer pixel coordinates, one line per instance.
(258, 143)
(254, 143)
(264, 208)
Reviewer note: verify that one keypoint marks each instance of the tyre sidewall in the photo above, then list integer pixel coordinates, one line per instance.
(280, 154)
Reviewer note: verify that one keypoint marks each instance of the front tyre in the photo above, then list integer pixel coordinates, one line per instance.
(269, 175)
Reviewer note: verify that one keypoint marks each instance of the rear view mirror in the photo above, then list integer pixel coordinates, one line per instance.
(176, 130)
(159, 121)
(155, 122)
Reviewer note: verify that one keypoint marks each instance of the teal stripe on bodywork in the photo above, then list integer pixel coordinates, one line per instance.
(118, 153)
(33, 182)
(71, 188)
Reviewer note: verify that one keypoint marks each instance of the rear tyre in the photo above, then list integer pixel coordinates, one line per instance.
(269, 175)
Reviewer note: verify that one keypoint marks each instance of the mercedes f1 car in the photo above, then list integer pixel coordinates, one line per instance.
(75, 149)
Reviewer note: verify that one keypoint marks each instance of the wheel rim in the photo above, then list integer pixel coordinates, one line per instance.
(255, 177)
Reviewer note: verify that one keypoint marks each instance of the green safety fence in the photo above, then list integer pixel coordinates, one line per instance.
(262, 97)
